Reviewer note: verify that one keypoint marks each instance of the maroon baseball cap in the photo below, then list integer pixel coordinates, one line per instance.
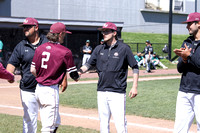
(30, 21)
(192, 17)
(108, 25)
(58, 28)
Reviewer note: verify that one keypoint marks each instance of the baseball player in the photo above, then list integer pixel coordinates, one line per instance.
(140, 60)
(148, 50)
(187, 105)
(50, 64)
(156, 61)
(22, 56)
(4, 74)
(111, 60)
(87, 50)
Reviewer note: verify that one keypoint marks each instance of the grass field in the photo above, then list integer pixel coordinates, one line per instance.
(13, 124)
(155, 98)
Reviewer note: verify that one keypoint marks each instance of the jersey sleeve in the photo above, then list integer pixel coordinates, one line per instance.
(16, 57)
(4, 74)
(71, 68)
(130, 58)
(93, 59)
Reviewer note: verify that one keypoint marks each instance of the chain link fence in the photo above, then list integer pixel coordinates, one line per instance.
(161, 49)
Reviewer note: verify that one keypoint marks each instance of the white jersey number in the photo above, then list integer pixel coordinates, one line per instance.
(45, 59)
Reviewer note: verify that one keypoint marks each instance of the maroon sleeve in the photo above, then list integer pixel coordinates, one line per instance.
(71, 68)
(4, 74)
(69, 62)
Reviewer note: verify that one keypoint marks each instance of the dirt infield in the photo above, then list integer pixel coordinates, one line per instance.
(10, 104)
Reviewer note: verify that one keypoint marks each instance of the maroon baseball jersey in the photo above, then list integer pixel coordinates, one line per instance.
(4, 74)
(52, 61)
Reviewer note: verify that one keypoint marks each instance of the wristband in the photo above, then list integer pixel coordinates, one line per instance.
(81, 71)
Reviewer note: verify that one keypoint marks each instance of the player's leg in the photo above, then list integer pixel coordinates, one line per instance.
(147, 63)
(30, 108)
(140, 63)
(48, 97)
(162, 65)
(104, 112)
(84, 59)
(87, 57)
(184, 113)
(197, 110)
(117, 103)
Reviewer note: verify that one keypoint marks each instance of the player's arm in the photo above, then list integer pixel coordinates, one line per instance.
(83, 69)
(133, 92)
(10, 68)
(133, 64)
(64, 83)
(4, 74)
(33, 71)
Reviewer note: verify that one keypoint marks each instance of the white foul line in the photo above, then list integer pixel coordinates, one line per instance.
(96, 81)
(95, 118)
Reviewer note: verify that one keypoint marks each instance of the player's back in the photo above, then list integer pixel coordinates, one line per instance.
(50, 63)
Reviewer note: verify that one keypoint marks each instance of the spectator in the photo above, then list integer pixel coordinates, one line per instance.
(87, 50)
(102, 41)
(140, 60)
(156, 61)
(148, 50)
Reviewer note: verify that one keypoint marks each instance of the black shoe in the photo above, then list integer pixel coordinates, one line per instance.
(55, 130)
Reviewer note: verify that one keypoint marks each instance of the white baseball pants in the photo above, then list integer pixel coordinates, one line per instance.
(48, 100)
(148, 64)
(115, 104)
(30, 107)
(187, 106)
(86, 57)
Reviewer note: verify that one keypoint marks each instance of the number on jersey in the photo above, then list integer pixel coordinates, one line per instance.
(46, 59)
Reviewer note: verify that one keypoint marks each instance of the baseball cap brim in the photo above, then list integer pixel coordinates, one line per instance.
(186, 22)
(101, 29)
(21, 25)
(68, 32)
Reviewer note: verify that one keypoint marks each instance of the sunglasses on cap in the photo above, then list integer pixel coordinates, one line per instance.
(27, 26)
(105, 32)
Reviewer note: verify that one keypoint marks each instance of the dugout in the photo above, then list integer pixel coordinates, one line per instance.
(12, 34)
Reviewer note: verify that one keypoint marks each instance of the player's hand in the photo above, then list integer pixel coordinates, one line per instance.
(186, 52)
(178, 51)
(64, 84)
(133, 93)
(11, 81)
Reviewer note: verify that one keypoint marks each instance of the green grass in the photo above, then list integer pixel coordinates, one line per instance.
(177, 40)
(155, 98)
(14, 124)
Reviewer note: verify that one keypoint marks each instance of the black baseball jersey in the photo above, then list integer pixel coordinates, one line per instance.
(22, 56)
(87, 48)
(147, 49)
(112, 66)
(190, 82)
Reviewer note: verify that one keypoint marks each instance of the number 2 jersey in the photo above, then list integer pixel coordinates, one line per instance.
(52, 61)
